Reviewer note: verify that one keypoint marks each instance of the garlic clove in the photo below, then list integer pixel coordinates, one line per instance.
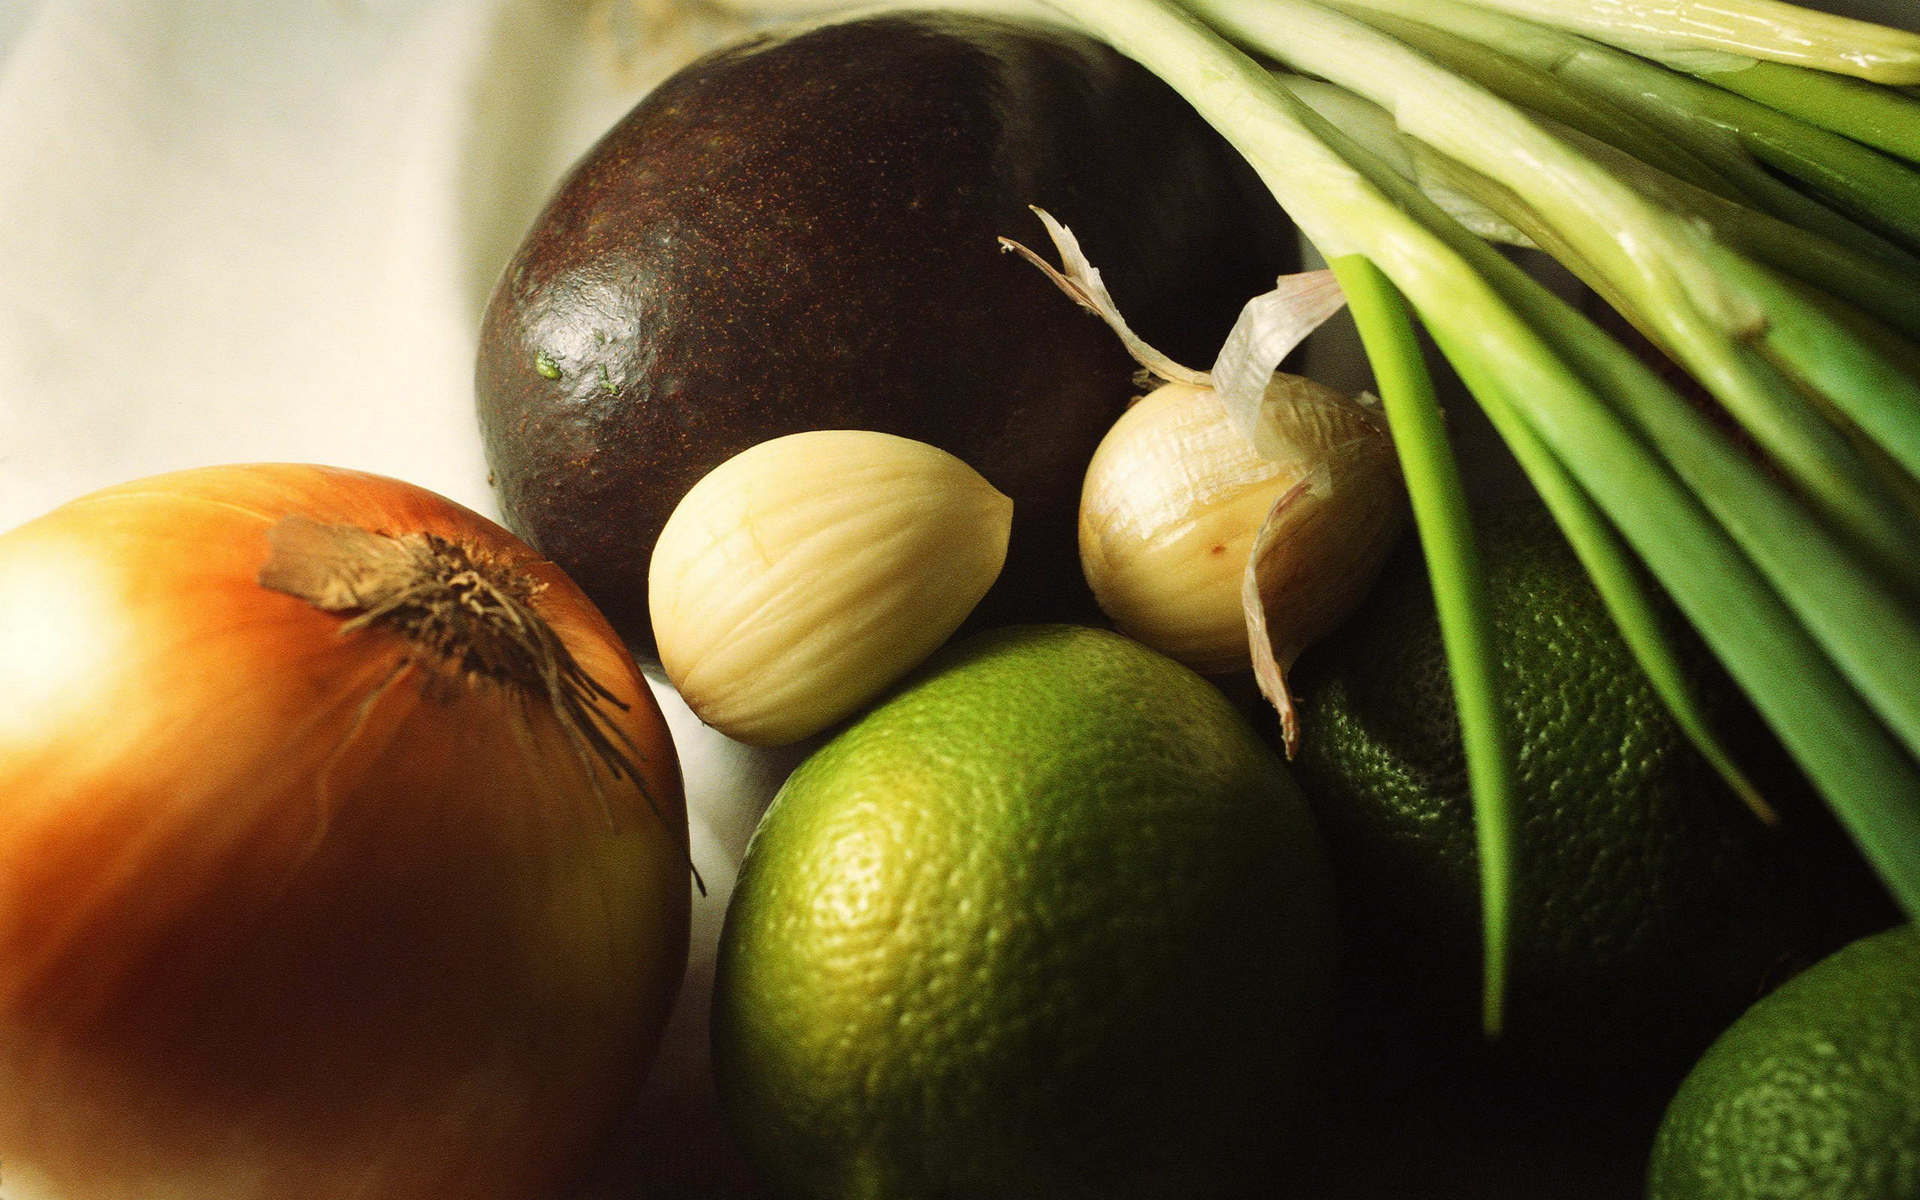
(1172, 498)
(1231, 517)
(804, 575)
(1175, 500)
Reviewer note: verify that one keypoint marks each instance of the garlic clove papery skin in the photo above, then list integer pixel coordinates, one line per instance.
(804, 575)
(1175, 496)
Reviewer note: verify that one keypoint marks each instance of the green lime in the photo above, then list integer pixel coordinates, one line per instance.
(1651, 905)
(1052, 922)
(1813, 1094)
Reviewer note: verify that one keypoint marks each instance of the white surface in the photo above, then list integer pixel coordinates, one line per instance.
(260, 231)
(233, 230)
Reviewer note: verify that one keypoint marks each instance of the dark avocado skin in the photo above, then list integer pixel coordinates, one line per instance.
(801, 233)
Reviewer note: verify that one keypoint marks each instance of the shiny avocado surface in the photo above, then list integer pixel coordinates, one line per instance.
(801, 232)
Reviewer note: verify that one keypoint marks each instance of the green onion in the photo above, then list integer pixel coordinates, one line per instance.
(1660, 265)
(1797, 568)
(1844, 748)
(1609, 563)
(1869, 282)
(1484, 51)
(1881, 117)
(1761, 29)
(1615, 576)
(1739, 612)
(1746, 143)
(1466, 622)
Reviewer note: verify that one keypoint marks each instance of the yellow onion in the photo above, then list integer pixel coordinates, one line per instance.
(342, 849)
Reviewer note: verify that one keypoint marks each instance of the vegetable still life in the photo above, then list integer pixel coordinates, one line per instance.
(764, 599)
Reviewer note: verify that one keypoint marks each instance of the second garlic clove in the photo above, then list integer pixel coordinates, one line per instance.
(1176, 495)
(801, 577)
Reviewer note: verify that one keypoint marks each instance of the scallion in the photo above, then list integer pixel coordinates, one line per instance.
(1797, 567)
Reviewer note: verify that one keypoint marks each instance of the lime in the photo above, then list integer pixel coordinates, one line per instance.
(1651, 905)
(1813, 1094)
(1052, 921)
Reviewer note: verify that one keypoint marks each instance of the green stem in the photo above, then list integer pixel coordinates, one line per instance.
(1872, 284)
(1749, 609)
(1881, 117)
(1539, 91)
(1722, 129)
(1660, 263)
(1764, 29)
(1865, 281)
(1466, 623)
(1871, 389)
(1610, 566)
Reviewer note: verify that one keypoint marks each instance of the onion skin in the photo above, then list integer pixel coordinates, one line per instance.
(291, 913)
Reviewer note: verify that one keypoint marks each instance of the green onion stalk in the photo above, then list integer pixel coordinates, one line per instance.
(1769, 245)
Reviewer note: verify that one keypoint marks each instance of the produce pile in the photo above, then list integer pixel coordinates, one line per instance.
(1213, 783)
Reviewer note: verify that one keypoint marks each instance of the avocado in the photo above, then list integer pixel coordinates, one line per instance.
(801, 232)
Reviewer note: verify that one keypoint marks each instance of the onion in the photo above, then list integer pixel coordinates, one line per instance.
(342, 849)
